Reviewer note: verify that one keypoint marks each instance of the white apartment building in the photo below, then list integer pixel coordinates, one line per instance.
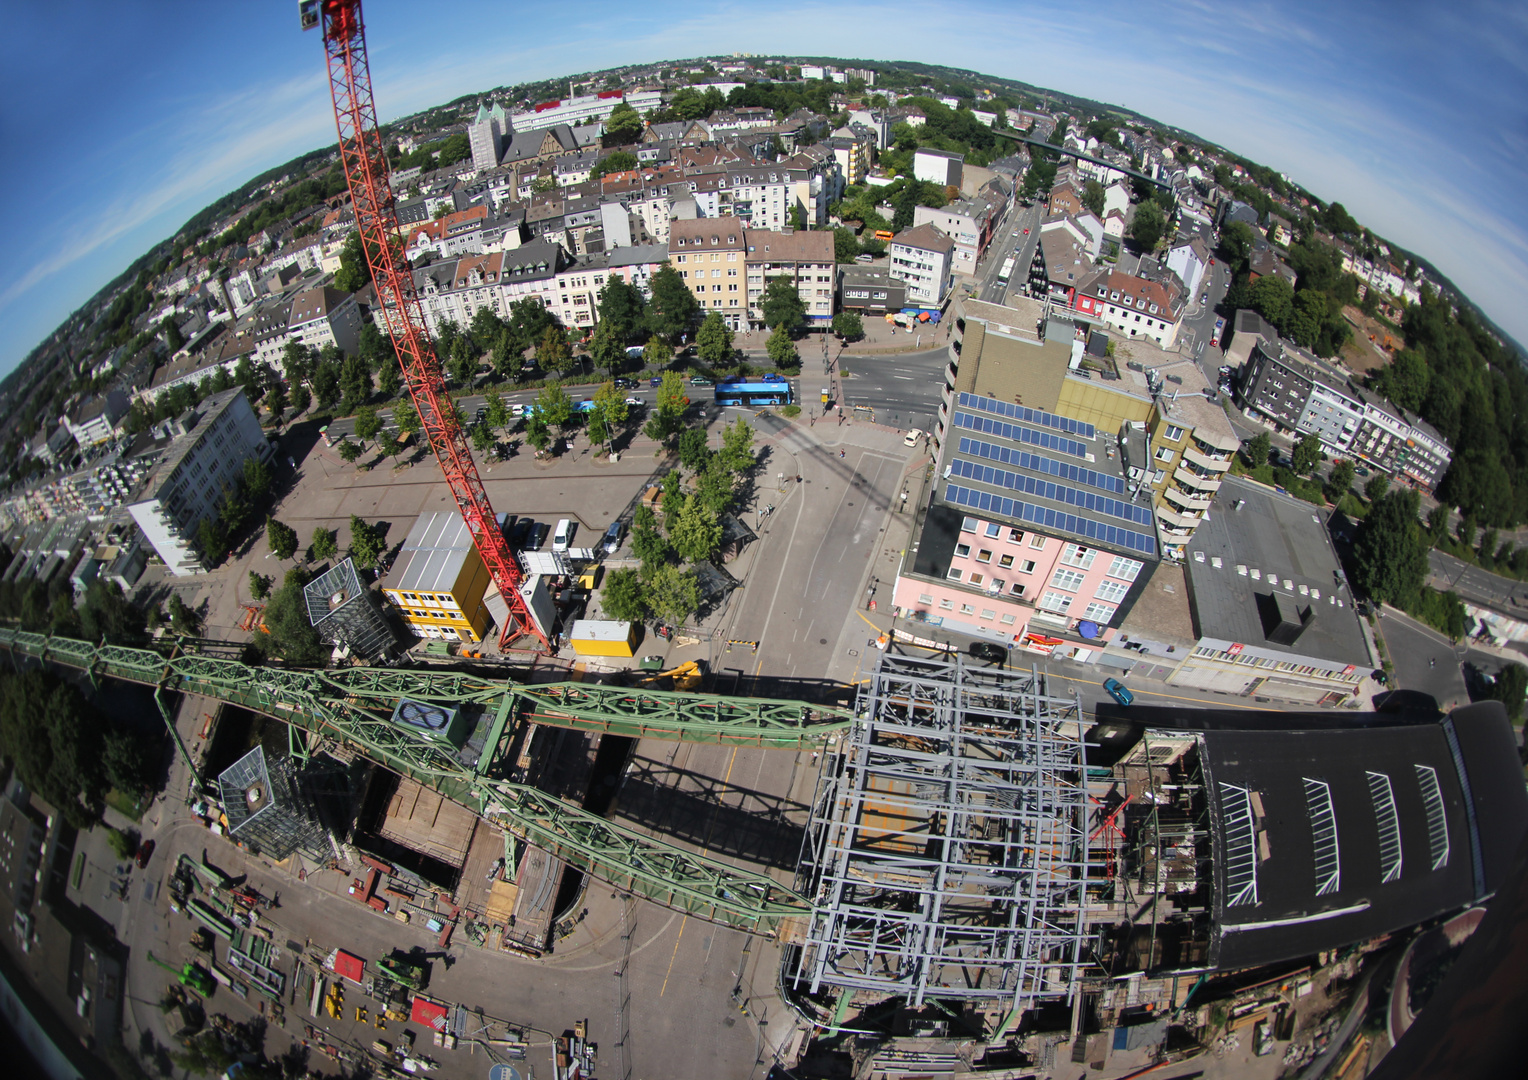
(806, 257)
(921, 257)
(215, 439)
(588, 109)
(325, 316)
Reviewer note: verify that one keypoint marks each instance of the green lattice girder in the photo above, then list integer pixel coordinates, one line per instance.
(353, 706)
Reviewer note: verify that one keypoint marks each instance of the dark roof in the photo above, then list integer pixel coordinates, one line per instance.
(1293, 773)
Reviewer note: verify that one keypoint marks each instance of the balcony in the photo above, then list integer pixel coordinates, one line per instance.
(1186, 500)
(1178, 525)
(1192, 453)
(1194, 481)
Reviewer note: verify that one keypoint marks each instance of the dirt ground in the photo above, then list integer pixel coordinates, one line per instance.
(1361, 354)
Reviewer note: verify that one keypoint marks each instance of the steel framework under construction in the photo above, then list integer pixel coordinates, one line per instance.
(947, 852)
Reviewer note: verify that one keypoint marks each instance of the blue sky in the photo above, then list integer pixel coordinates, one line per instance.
(120, 120)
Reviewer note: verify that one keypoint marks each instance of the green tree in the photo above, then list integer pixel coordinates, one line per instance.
(673, 307)
(667, 416)
(122, 845)
(107, 615)
(528, 322)
(610, 404)
(495, 412)
(672, 595)
(52, 737)
(1149, 224)
(606, 348)
(1258, 449)
(257, 479)
(657, 353)
(1093, 197)
(624, 126)
(673, 496)
(354, 274)
(1509, 688)
(1273, 298)
(1236, 242)
(259, 585)
(366, 543)
(848, 325)
(1406, 380)
(552, 353)
(713, 341)
(291, 633)
(183, 620)
(781, 349)
(621, 305)
(505, 358)
(213, 540)
(326, 383)
(696, 533)
(367, 423)
(276, 400)
(406, 417)
(1390, 551)
(553, 406)
(845, 245)
(388, 443)
(647, 543)
(622, 596)
(737, 446)
(620, 161)
(280, 538)
(693, 451)
(482, 438)
(782, 304)
(1376, 486)
(349, 451)
(302, 397)
(462, 362)
(1340, 480)
(485, 328)
(1306, 455)
(324, 545)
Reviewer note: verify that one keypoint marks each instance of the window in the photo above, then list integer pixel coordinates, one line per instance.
(988, 613)
(967, 609)
(954, 574)
(1174, 432)
(1017, 589)
(994, 529)
(962, 550)
(947, 605)
(1070, 580)
(968, 524)
(1005, 561)
(1156, 477)
(984, 555)
(1111, 591)
(1057, 602)
(1007, 620)
(1077, 555)
(1123, 568)
(1165, 453)
(975, 579)
(925, 598)
(1027, 566)
(1015, 535)
(1101, 613)
(1037, 542)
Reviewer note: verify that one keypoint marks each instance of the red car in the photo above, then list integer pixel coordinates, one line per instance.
(1026, 232)
(145, 851)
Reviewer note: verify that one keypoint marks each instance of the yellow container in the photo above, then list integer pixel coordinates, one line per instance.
(596, 637)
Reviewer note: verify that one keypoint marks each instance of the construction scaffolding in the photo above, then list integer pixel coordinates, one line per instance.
(947, 853)
(268, 808)
(346, 613)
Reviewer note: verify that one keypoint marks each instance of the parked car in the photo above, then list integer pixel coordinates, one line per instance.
(626, 384)
(1118, 692)
(613, 537)
(145, 852)
(537, 536)
(634, 353)
(912, 437)
(989, 651)
(700, 381)
(865, 258)
(563, 536)
(518, 533)
(635, 401)
(657, 381)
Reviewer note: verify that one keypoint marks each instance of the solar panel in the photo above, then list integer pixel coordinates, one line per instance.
(1048, 518)
(1019, 433)
(1023, 459)
(1323, 828)
(1437, 820)
(1029, 416)
(1047, 489)
(1389, 824)
(1239, 833)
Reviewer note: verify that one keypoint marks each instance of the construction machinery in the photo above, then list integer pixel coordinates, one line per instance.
(364, 160)
(687, 676)
(192, 976)
(402, 972)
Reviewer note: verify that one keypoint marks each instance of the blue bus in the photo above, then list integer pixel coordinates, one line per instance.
(769, 389)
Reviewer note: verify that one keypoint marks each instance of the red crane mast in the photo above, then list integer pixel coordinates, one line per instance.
(365, 163)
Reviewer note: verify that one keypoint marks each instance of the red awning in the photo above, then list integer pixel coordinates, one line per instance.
(429, 1013)
(349, 967)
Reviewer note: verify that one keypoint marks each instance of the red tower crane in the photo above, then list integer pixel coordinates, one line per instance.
(366, 169)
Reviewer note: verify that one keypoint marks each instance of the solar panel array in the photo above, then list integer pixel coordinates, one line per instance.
(1018, 433)
(1437, 820)
(1023, 459)
(1029, 416)
(1240, 834)
(1389, 824)
(1048, 518)
(1046, 489)
(1323, 828)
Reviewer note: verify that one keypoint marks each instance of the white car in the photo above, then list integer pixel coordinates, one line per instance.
(517, 409)
(635, 401)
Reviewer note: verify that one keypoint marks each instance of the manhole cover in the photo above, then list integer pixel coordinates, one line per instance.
(851, 504)
(822, 641)
(729, 1022)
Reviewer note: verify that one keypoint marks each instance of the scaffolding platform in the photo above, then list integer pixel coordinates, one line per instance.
(423, 820)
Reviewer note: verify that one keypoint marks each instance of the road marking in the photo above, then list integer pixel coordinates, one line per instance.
(672, 955)
(705, 845)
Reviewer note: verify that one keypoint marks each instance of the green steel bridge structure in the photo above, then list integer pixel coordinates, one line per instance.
(353, 707)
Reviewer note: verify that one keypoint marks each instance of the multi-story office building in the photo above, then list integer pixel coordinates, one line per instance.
(438, 580)
(588, 109)
(804, 257)
(709, 254)
(214, 440)
(325, 316)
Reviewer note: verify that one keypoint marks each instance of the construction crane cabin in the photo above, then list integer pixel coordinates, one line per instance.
(366, 170)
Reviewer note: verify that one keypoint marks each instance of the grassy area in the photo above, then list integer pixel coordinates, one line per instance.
(128, 805)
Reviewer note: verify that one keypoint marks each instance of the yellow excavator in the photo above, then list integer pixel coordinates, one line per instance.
(687, 676)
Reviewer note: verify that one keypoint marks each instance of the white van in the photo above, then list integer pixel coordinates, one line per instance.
(562, 535)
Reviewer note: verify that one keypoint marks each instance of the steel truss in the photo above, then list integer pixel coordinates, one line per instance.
(353, 707)
(947, 852)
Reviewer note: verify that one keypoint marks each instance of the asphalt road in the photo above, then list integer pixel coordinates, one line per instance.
(903, 389)
(1425, 660)
(989, 289)
(1479, 586)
